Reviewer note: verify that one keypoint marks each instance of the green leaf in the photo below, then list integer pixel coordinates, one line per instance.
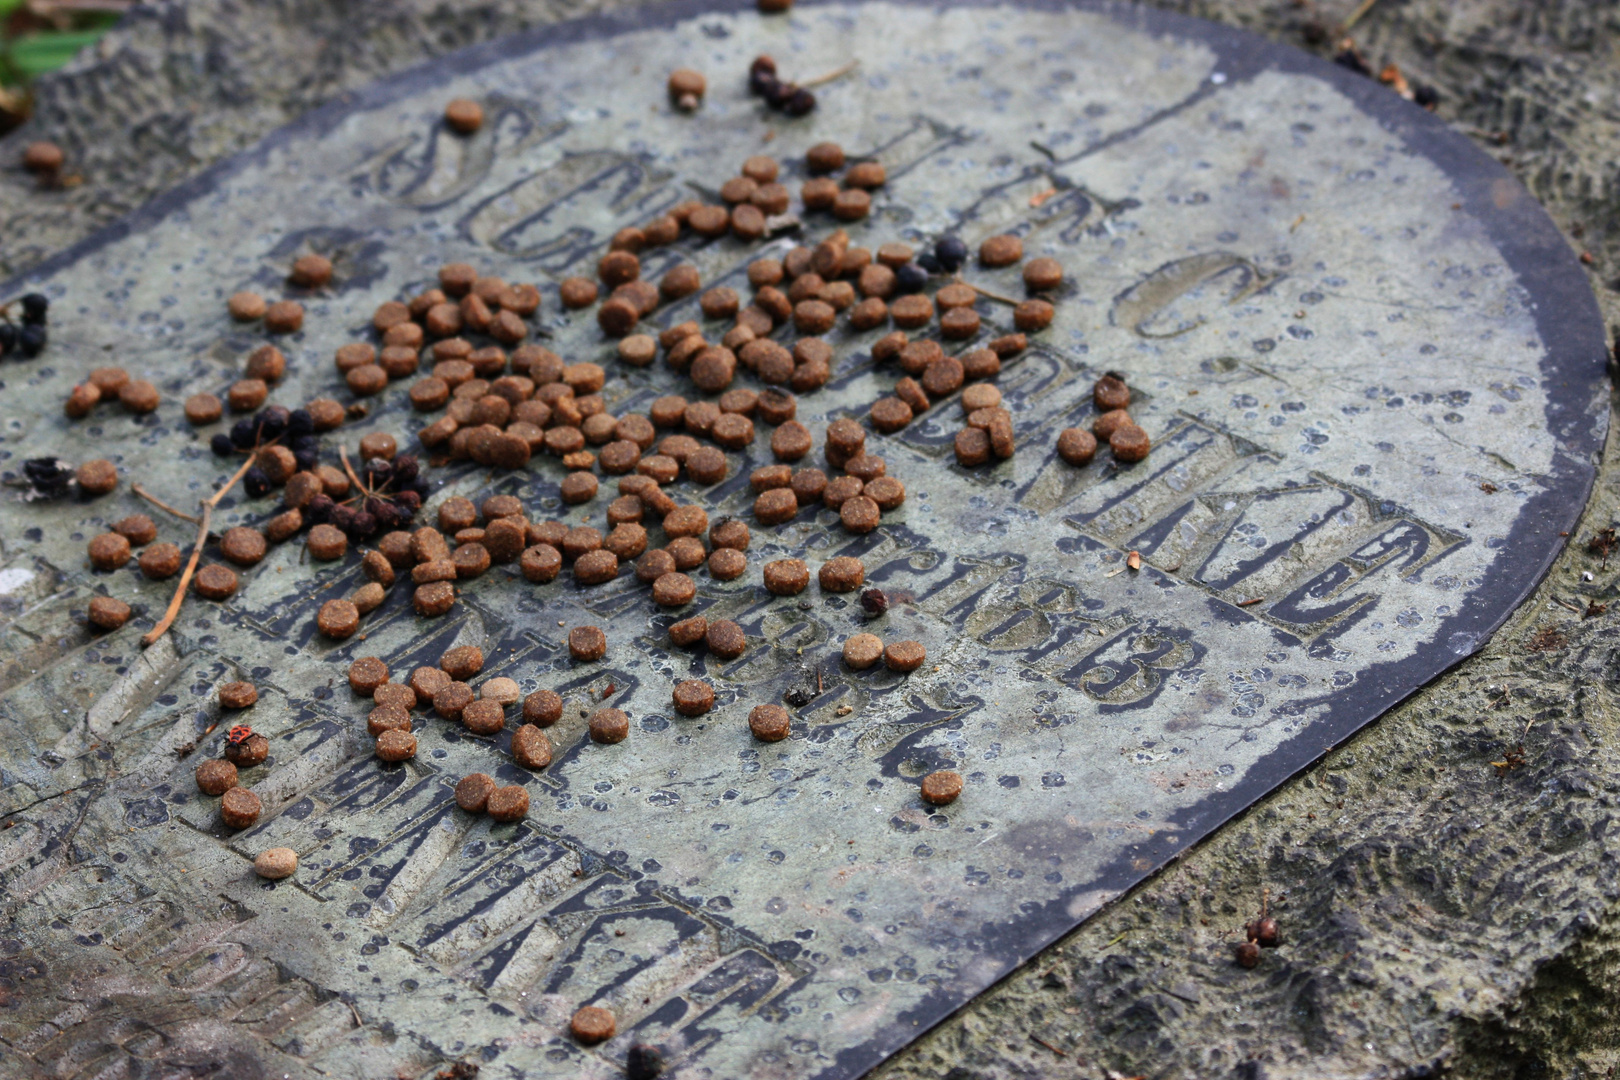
(37, 54)
(8, 6)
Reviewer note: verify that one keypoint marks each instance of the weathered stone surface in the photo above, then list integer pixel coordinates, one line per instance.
(1441, 914)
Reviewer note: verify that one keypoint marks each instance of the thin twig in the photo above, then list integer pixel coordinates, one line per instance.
(160, 504)
(196, 553)
(1048, 1045)
(1355, 16)
(987, 293)
(835, 73)
(343, 453)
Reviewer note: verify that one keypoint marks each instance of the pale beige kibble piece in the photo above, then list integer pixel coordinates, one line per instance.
(276, 863)
(503, 690)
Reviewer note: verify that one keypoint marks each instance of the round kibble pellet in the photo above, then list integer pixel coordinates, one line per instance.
(392, 693)
(707, 465)
(450, 699)
(845, 438)
(1110, 393)
(284, 317)
(501, 690)
(688, 631)
(825, 157)
(890, 414)
(388, 718)
(1077, 446)
(107, 613)
(809, 485)
(1033, 315)
(473, 792)
(396, 746)
(246, 752)
(860, 514)
(276, 863)
(693, 697)
(203, 409)
(786, 577)
(776, 506)
(97, 477)
(242, 545)
(483, 717)
(687, 551)
(840, 490)
(959, 324)
(769, 723)
(608, 725)
(240, 808)
(215, 582)
(725, 639)
(852, 204)
(1129, 443)
(160, 561)
(861, 651)
(541, 563)
(972, 447)
(1109, 422)
(577, 292)
(653, 565)
(904, 656)
(311, 271)
(433, 598)
(596, 567)
(338, 619)
(470, 559)
(912, 312)
(941, 788)
(542, 708)
(729, 533)
(813, 316)
(81, 400)
(727, 564)
(910, 391)
(510, 803)
(686, 88)
(426, 682)
(464, 116)
(1003, 250)
(791, 441)
(531, 748)
(368, 597)
(866, 467)
(618, 268)
(887, 491)
(238, 695)
(591, 1024)
(1042, 274)
(462, 662)
(626, 541)
(215, 777)
(674, 589)
(246, 306)
(842, 573)
(587, 643)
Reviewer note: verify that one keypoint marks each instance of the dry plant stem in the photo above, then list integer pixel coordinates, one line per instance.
(987, 293)
(827, 77)
(160, 504)
(343, 453)
(196, 553)
(1355, 16)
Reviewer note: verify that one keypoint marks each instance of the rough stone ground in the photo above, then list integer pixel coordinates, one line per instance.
(1440, 915)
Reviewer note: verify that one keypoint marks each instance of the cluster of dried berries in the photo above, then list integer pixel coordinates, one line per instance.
(27, 336)
(778, 94)
(1261, 933)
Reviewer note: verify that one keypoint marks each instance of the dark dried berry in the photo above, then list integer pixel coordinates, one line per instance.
(800, 103)
(1351, 59)
(244, 433)
(300, 422)
(763, 84)
(874, 601)
(762, 65)
(31, 340)
(8, 338)
(405, 468)
(644, 1062)
(341, 516)
(319, 509)
(910, 278)
(1424, 95)
(364, 525)
(222, 445)
(409, 502)
(951, 253)
(273, 420)
(1263, 932)
(300, 443)
(35, 308)
(256, 483)
(306, 459)
(379, 471)
(778, 93)
(1247, 954)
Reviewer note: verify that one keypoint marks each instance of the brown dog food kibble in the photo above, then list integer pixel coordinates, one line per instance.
(138, 529)
(81, 400)
(160, 561)
(392, 693)
(1042, 274)
(473, 792)
(890, 414)
(1109, 393)
(587, 643)
(693, 697)
(769, 723)
(284, 317)
(577, 292)
(215, 582)
(860, 514)
(1003, 250)
(776, 506)
(725, 639)
(688, 631)
(464, 116)
(1077, 446)
(203, 409)
(97, 477)
(338, 619)
(310, 271)
(941, 788)
(592, 1025)
(510, 803)
(541, 563)
(240, 808)
(1129, 443)
(729, 533)
(395, 746)
(501, 690)
(462, 662)
(107, 613)
(433, 598)
(215, 777)
(276, 863)
(1033, 315)
(727, 564)
(368, 597)
(887, 491)
(247, 752)
(674, 589)
(483, 717)
(427, 681)
(1109, 422)
(791, 441)
(608, 725)
(531, 748)
(972, 447)
(842, 573)
(861, 651)
(238, 695)
(687, 551)
(366, 674)
(786, 577)
(451, 699)
(596, 567)
(242, 545)
(246, 306)
(904, 656)
(852, 204)
(387, 718)
(542, 708)
(327, 542)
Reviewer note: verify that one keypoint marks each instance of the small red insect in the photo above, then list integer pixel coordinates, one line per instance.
(239, 734)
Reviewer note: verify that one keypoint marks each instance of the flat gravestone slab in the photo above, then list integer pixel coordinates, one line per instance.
(1372, 371)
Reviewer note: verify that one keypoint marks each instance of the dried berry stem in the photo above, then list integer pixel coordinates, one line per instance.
(987, 293)
(1356, 15)
(196, 553)
(160, 504)
(343, 453)
(827, 77)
